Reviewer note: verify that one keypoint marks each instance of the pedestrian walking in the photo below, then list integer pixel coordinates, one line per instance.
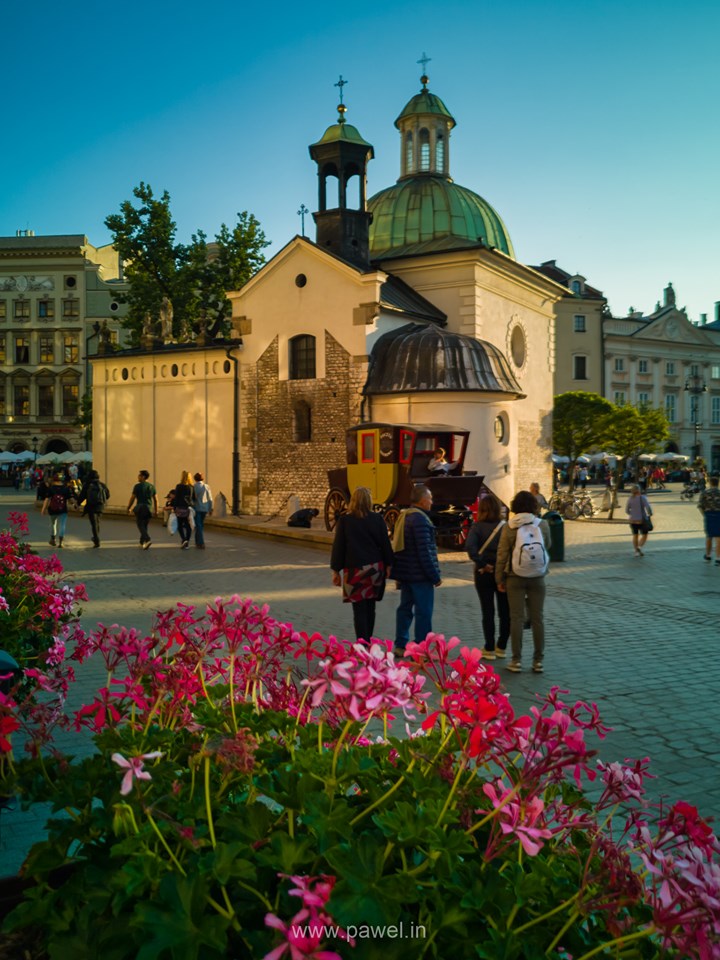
(482, 544)
(639, 510)
(709, 506)
(144, 498)
(55, 505)
(522, 561)
(203, 508)
(93, 497)
(415, 568)
(361, 560)
(182, 502)
(541, 501)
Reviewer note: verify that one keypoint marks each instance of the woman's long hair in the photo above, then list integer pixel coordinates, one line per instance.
(489, 508)
(186, 478)
(360, 502)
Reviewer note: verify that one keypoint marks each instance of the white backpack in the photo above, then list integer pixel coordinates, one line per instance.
(529, 558)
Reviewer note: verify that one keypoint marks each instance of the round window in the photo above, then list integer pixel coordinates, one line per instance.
(226, 366)
(124, 373)
(518, 346)
(300, 280)
(499, 429)
(174, 370)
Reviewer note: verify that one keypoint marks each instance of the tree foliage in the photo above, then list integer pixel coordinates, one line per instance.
(195, 277)
(629, 431)
(577, 420)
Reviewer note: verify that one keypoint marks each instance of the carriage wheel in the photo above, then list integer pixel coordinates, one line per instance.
(335, 505)
(459, 538)
(390, 517)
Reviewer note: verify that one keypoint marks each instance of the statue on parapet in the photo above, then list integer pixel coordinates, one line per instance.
(166, 319)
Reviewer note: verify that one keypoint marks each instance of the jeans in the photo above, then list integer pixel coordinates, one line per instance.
(364, 618)
(200, 527)
(417, 598)
(490, 596)
(94, 518)
(142, 518)
(184, 528)
(58, 522)
(522, 593)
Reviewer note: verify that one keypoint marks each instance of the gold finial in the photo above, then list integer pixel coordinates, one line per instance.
(424, 60)
(342, 109)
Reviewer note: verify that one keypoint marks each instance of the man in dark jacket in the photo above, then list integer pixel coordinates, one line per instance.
(416, 568)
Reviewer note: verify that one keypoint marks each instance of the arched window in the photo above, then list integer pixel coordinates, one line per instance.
(302, 422)
(408, 152)
(302, 357)
(424, 149)
(440, 153)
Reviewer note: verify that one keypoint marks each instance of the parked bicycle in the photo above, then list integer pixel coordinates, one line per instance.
(690, 489)
(572, 505)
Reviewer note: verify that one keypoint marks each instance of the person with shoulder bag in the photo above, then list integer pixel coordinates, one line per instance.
(482, 545)
(203, 508)
(361, 560)
(56, 504)
(639, 511)
(520, 568)
(182, 500)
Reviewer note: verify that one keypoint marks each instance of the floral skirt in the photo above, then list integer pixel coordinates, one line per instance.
(364, 583)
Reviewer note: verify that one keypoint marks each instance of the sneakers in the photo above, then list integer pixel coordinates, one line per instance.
(537, 667)
(398, 651)
(500, 652)
(707, 557)
(639, 553)
(51, 541)
(515, 666)
(488, 654)
(185, 544)
(146, 545)
(60, 542)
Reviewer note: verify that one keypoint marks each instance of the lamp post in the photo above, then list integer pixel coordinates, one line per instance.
(695, 386)
(35, 442)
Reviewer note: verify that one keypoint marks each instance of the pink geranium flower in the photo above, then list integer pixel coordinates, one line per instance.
(134, 768)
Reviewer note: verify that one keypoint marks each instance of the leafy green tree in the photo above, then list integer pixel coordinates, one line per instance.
(578, 418)
(629, 431)
(195, 277)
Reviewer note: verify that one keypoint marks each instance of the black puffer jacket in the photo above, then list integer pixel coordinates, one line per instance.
(418, 561)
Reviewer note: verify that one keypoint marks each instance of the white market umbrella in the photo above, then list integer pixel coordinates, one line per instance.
(583, 458)
(84, 456)
(556, 459)
(7, 456)
(24, 455)
(599, 457)
(671, 457)
(48, 458)
(648, 457)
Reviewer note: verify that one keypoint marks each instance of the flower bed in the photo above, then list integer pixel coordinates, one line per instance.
(248, 799)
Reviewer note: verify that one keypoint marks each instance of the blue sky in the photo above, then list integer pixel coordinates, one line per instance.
(592, 128)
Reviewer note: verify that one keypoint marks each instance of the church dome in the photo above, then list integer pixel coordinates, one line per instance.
(424, 214)
(419, 358)
(424, 104)
(343, 131)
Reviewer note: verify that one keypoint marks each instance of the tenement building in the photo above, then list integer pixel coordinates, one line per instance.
(409, 307)
(59, 302)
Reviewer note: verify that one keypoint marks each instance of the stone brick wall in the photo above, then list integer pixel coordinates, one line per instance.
(534, 449)
(273, 464)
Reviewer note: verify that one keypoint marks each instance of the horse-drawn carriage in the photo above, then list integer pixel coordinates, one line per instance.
(390, 458)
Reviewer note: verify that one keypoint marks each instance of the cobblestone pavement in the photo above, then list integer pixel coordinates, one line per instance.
(637, 635)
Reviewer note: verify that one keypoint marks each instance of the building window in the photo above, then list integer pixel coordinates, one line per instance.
(302, 422)
(2, 349)
(671, 407)
(3, 309)
(669, 369)
(576, 287)
(302, 358)
(694, 369)
(424, 149)
(642, 366)
(579, 368)
(70, 392)
(22, 350)
(46, 399)
(579, 323)
(499, 429)
(440, 153)
(47, 350)
(21, 309)
(619, 397)
(71, 308)
(408, 152)
(715, 410)
(715, 372)
(643, 399)
(21, 401)
(46, 309)
(71, 348)
(619, 364)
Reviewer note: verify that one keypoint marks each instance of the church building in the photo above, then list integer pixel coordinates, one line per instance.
(409, 308)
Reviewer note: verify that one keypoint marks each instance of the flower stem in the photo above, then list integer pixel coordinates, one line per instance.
(618, 941)
(453, 788)
(208, 803)
(379, 801)
(563, 930)
(164, 842)
(550, 913)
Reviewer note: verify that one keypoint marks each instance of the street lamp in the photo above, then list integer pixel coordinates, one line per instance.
(695, 385)
(35, 442)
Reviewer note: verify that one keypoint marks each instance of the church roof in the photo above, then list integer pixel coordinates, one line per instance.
(396, 295)
(343, 131)
(419, 358)
(425, 103)
(435, 213)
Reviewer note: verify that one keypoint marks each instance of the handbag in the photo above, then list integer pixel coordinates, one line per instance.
(182, 512)
(647, 524)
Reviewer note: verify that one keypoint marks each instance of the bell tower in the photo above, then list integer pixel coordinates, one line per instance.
(341, 155)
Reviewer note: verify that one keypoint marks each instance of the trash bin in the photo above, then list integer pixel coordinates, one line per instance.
(557, 534)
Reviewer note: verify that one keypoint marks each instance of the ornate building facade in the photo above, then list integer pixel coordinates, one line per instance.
(59, 303)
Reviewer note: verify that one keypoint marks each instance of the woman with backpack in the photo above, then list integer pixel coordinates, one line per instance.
(56, 505)
(94, 495)
(522, 561)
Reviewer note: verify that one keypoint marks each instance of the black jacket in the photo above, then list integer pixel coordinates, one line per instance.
(479, 532)
(360, 541)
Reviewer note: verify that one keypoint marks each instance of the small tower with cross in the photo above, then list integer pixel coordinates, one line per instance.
(341, 156)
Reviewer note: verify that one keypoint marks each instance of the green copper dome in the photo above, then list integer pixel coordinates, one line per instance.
(425, 214)
(425, 103)
(343, 131)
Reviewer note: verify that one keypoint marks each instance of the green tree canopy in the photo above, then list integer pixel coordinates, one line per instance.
(577, 422)
(195, 277)
(630, 431)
